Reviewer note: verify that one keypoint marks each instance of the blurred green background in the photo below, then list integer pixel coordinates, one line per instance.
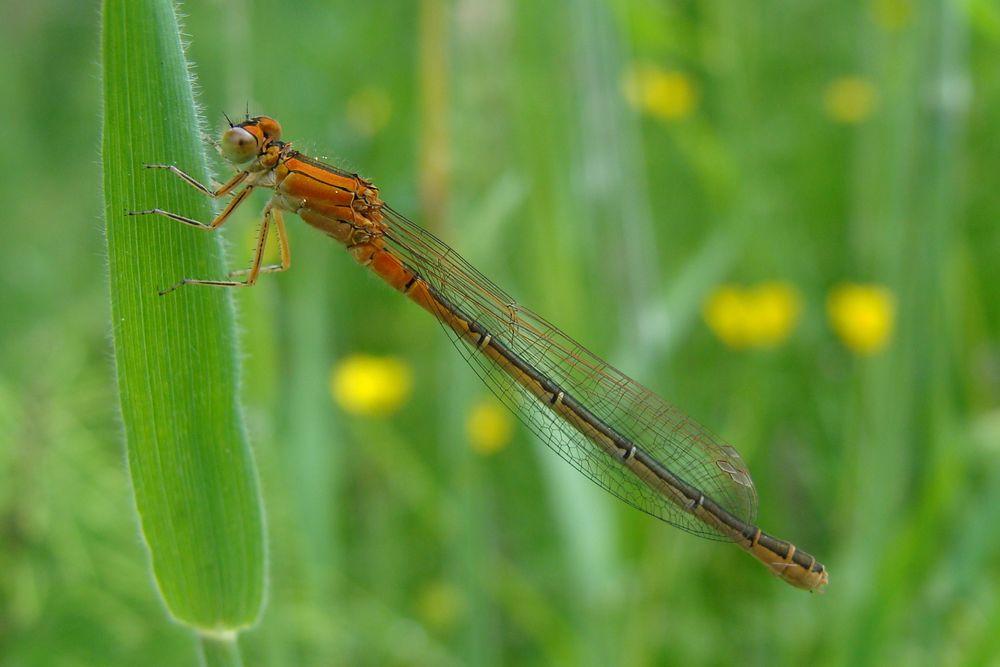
(689, 189)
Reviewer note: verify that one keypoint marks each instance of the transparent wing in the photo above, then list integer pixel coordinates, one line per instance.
(679, 443)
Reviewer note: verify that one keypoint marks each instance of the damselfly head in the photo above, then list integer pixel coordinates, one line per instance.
(247, 140)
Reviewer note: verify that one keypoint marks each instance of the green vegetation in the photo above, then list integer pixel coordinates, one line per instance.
(613, 166)
(191, 468)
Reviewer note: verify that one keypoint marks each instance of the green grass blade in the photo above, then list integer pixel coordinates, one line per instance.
(220, 652)
(192, 471)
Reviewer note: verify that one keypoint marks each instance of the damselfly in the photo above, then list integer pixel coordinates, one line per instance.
(608, 426)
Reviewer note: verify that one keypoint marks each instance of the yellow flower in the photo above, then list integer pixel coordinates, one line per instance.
(724, 315)
(892, 14)
(440, 605)
(763, 315)
(850, 99)
(369, 110)
(666, 94)
(370, 386)
(774, 311)
(488, 427)
(862, 316)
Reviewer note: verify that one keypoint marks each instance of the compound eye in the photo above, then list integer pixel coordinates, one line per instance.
(238, 145)
(270, 127)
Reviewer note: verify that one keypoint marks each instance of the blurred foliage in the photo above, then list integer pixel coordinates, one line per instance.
(613, 164)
